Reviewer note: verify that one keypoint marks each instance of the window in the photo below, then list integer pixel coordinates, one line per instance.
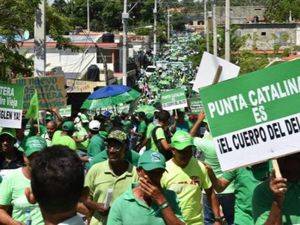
(263, 33)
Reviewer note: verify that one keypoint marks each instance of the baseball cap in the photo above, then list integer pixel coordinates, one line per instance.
(34, 144)
(9, 131)
(181, 139)
(118, 135)
(94, 125)
(151, 160)
(68, 126)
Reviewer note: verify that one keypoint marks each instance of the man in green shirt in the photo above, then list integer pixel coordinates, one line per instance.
(97, 143)
(245, 181)
(64, 136)
(12, 189)
(206, 146)
(277, 200)
(147, 202)
(160, 137)
(109, 179)
(187, 177)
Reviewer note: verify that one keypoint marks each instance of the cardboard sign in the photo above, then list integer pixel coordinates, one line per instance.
(208, 69)
(11, 105)
(51, 91)
(196, 105)
(66, 112)
(174, 99)
(255, 117)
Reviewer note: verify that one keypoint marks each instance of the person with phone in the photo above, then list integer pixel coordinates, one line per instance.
(147, 200)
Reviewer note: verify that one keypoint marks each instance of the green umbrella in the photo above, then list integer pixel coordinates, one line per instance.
(111, 101)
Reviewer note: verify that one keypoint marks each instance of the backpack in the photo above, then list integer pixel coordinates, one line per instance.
(167, 154)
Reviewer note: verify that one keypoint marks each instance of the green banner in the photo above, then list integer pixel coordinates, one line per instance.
(66, 112)
(11, 105)
(196, 105)
(174, 99)
(254, 98)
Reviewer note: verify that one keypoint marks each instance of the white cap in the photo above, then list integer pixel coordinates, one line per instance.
(94, 125)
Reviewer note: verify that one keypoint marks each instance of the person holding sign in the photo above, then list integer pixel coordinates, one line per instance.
(109, 179)
(277, 201)
(187, 177)
(206, 146)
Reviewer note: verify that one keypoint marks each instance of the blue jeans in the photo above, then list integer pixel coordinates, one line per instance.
(227, 203)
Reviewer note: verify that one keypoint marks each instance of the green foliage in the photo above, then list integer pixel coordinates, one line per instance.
(16, 17)
(178, 22)
(278, 11)
(249, 62)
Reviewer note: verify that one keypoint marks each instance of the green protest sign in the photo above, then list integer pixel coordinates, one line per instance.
(256, 116)
(174, 99)
(11, 105)
(196, 105)
(51, 91)
(66, 112)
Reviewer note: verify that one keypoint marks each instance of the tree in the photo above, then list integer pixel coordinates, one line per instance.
(17, 16)
(278, 11)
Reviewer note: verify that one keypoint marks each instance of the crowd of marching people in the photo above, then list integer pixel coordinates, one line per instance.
(135, 169)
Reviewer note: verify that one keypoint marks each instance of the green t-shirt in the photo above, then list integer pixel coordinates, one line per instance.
(82, 132)
(245, 181)
(131, 156)
(127, 125)
(100, 178)
(142, 128)
(263, 198)
(159, 135)
(96, 145)
(128, 210)
(12, 193)
(206, 145)
(187, 183)
(59, 139)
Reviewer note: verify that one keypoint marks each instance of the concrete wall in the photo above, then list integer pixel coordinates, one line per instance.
(265, 36)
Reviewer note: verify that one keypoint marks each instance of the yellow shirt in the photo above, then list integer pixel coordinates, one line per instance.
(187, 183)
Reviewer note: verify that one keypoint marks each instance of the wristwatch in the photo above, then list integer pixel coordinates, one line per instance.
(164, 205)
(220, 219)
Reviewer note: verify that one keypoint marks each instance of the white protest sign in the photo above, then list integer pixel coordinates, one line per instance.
(208, 69)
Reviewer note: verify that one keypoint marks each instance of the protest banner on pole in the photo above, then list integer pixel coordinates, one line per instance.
(66, 112)
(207, 73)
(255, 117)
(51, 91)
(196, 105)
(174, 99)
(11, 105)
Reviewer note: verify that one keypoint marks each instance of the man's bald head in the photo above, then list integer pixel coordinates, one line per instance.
(51, 128)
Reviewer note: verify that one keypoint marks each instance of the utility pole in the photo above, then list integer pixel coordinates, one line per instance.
(206, 31)
(155, 31)
(169, 29)
(88, 15)
(40, 41)
(215, 39)
(227, 30)
(125, 17)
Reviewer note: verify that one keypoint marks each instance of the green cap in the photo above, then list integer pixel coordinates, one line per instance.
(181, 139)
(68, 126)
(34, 144)
(9, 131)
(118, 135)
(151, 160)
